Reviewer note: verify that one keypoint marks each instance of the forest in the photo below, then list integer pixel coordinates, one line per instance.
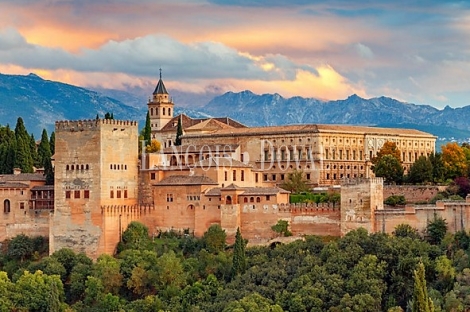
(405, 271)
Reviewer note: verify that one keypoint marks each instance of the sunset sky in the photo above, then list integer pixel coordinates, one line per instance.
(414, 51)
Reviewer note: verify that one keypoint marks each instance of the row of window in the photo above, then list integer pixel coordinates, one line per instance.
(234, 175)
(77, 167)
(163, 111)
(343, 155)
(119, 194)
(77, 194)
(283, 154)
(117, 167)
(341, 176)
(193, 197)
(282, 177)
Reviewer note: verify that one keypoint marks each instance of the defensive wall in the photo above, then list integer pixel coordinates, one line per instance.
(413, 193)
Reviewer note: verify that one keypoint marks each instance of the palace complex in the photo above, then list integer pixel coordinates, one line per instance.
(223, 173)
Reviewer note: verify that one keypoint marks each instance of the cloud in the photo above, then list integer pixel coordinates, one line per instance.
(363, 50)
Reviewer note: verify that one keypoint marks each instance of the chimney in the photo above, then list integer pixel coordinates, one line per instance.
(16, 171)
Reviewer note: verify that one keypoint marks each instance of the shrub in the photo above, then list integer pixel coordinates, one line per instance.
(395, 200)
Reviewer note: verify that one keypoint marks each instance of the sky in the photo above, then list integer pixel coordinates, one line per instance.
(414, 51)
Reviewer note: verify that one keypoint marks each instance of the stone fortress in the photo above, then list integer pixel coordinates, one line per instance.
(223, 173)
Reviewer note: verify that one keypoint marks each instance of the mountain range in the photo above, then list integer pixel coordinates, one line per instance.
(41, 102)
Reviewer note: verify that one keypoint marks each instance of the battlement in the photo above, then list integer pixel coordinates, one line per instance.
(90, 124)
(358, 181)
(284, 208)
(120, 209)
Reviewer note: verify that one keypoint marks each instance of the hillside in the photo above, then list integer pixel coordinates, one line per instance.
(41, 102)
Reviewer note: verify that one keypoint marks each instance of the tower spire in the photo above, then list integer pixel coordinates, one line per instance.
(160, 73)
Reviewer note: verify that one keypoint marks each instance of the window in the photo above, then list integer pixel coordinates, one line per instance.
(266, 155)
(152, 176)
(73, 168)
(76, 194)
(6, 206)
(327, 176)
(86, 194)
(282, 176)
(268, 197)
(226, 175)
(308, 176)
(256, 177)
(291, 154)
(234, 175)
(274, 177)
(327, 155)
(299, 153)
(242, 178)
(283, 155)
(87, 167)
(111, 167)
(21, 205)
(169, 198)
(169, 111)
(265, 177)
(125, 193)
(67, 194)
(258, 200)
(111, 194)
(67, 167)
(252, 199)
(118, 195)
(241, 157)
(163, 113)
(245, 199)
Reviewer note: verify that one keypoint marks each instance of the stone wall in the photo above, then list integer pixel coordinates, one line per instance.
(413, 193)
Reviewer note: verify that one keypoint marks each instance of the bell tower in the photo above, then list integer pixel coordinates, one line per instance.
(160, 107)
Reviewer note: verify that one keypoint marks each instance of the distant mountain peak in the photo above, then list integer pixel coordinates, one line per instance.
(33, 75)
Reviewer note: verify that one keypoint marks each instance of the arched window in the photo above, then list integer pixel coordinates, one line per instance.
(87, 167)
(228, 200)
(6, 206)
(151, 111)
(163, 113)
(245, 200)
(169, 111)
(82, 167)
(258, 200)
(252, 199)
(67, 167)
(73, 168)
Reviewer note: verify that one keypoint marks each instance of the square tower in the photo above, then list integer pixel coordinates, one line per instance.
(96, 165)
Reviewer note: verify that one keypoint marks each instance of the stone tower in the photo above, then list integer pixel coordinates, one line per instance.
(160, 107)
(360, 198)
(96, 165)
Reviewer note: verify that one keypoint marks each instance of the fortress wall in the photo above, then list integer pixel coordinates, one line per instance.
(456, 214)
(28, 222)
(413, 193)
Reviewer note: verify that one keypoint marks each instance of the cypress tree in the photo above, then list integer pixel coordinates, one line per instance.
(44, 149)
(34, 152)
(23, 157)
(421, 300)
(147, 131)
(179, 132)
(52, 143)
(239, 258)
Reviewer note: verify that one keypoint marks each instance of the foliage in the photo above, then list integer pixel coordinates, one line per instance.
(454, 160)
(389, 148)
(405, 230)
(282, 228)
(463, 186)
(108, 115)
(20, 247)
(309, 198)
(389, 168)
(154, 147)
(214, 239)
(421, 300)
(295, 182)
(147, 130)
(436, 230)
(239, 258)
(395, 200)
(438, 170)
(179, 132)
(136, 236)
(421, 171)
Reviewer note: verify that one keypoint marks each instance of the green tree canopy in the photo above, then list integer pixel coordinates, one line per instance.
(389, 168)
(295, 182)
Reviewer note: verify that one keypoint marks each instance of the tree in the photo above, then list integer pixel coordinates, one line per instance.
(20, 247)
(436, 230)
(438, 170)
(389, 148)
(295, 182)
(136, 236)
(421, 171)
(395, 200)
(282, 228)
(214, 239)
(421, 300)
(108, 116)
(239, 258)
(463, 184)
(44, 149)
(179, 132)
(454, 160)
(52, 143)
(389, 168)
(154, 147)
(406, 230)
(147, 131)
